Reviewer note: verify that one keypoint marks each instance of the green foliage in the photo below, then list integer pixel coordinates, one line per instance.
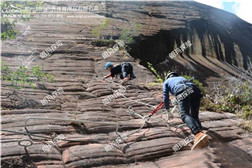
(127, 35)
(236, 98)
(102, 43)
(197, 83)
(247, 112)
(23, 75)
(9, 8)
(10, 33)
(97, 31)
(154, 71)
(137, 27)
(161, 78)
(40, 75)
(247, 125)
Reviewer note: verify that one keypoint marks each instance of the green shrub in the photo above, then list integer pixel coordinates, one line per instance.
(128, 35)
(161, 78)
(247, 125)
(197, 83)
(236, 98)
(8, 25)
(97, 31)
(23, 75)
(102, 43)
(40, 75)
(247, 112)
(137, 28)
(153, 70)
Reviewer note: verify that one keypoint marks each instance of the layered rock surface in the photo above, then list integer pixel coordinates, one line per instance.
(76, 66)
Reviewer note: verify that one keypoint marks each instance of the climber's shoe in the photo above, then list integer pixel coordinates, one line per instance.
(200, 141)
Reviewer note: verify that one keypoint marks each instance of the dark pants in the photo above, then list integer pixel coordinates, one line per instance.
(189, 110)
(127, 69)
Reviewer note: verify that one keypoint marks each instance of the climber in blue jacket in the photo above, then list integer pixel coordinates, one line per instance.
(188, 97)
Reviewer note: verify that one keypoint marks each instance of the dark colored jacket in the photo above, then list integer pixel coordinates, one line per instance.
(124, 70)
(174, 85)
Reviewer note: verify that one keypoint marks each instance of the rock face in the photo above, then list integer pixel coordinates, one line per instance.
(75, 128)
(220, 40)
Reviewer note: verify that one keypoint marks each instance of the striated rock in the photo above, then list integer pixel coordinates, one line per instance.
(87, 125)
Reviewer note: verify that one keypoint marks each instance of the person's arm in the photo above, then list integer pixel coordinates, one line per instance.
(107, 76)
(125, 80)
(166, 96)
(125, 75)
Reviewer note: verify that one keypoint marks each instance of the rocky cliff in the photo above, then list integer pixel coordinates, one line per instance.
(76, 126)
(220, 40)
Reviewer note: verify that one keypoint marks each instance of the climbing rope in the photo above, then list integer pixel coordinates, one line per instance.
(133, 113)
(130, 111)
(31, 135)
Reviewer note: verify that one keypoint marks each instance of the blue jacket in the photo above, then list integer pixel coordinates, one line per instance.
(174, 85)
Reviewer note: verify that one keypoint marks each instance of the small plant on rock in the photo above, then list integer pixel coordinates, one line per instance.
(24, 76)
